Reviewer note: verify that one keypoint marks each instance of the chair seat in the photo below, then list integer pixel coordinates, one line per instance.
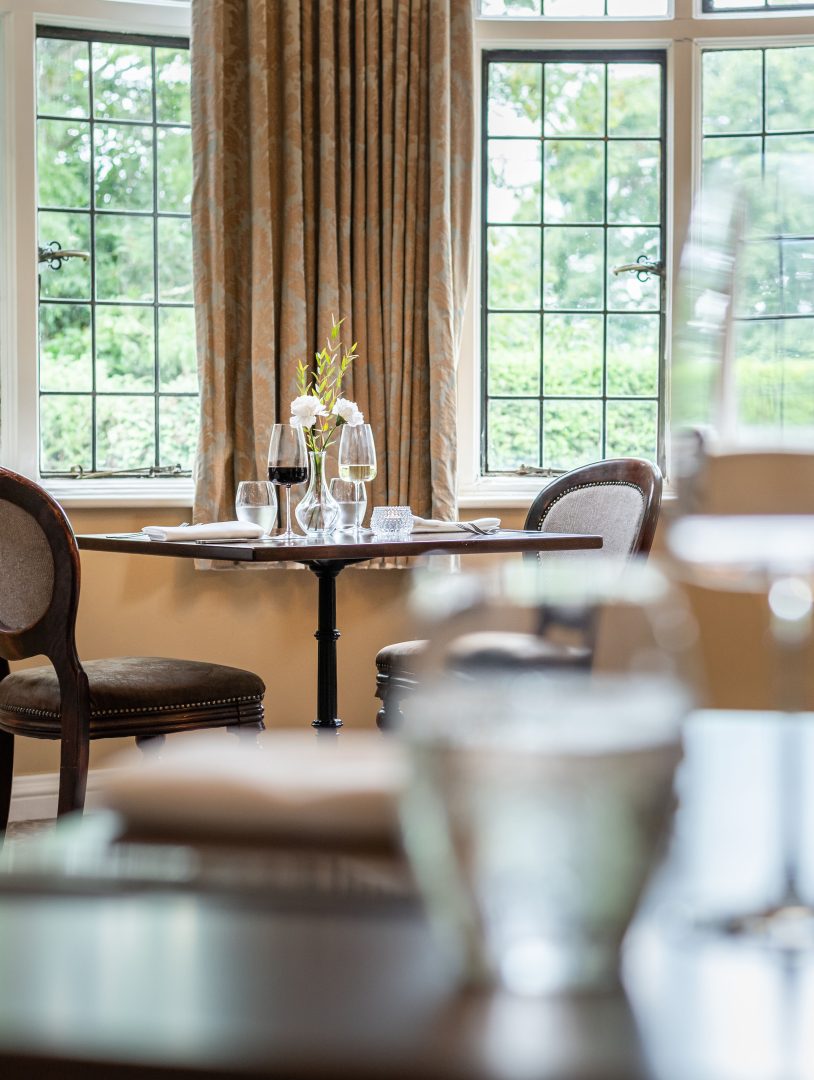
(135, 695)
(494, 649)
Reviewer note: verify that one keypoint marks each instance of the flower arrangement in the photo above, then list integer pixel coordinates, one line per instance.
(320, 409)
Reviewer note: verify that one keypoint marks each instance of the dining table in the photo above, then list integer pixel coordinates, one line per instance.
(166, 960)
(327, 557)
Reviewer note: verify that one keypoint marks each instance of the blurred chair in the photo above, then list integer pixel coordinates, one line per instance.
(619, 500)
(146, 697)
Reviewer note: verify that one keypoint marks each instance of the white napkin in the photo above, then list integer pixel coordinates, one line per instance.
(214, 530)
(433, 525)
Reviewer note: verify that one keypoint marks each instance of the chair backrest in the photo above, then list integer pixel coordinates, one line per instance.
(619, 499)
(39, 573)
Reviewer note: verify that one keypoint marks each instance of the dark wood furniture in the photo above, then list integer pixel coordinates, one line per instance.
(186, 982)
(326, 559)
(620, 499)
(145, 697)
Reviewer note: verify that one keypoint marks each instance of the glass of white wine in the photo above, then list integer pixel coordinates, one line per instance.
(357, 459)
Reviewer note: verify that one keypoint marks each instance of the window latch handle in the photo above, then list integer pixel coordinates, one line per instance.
(642, 268)
(54, 253)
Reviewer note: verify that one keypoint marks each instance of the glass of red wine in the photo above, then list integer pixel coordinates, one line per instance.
(288, 464)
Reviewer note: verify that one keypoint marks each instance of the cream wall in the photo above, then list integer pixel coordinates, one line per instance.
(265, 620)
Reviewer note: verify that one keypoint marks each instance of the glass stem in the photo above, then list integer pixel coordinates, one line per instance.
(287, 511)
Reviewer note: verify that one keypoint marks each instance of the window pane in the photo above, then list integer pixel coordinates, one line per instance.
(514, 267)
(573, 9)
(756, 5)
(574, 181)
(174, 169)
(66, 360)
(510, 7)
(72, 232)
(790, 89)
(125, 348)
(178, 430)
(66, 426)
(725, 160)
(125, 432)
(633, 182)
(644, 8)
(124, 167)
(63, 86)
(573, 433)
(573, 354)
(172, 86)
(633, 355)
(574, 270)
(514, 180)
(631, 429)
(122, 81)
(514, 435)
(733, 95)
(514, 99)
(514, 354)
(124, 257)
(63, 163)
(177, 362)
(575, 99)
(634, 99)
(175, 260)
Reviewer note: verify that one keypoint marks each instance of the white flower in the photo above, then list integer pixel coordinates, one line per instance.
(348, 412)
(305, 410)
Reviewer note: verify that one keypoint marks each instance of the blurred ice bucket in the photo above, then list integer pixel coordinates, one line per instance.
(534, 815)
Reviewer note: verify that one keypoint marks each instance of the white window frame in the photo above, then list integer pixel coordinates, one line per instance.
(19, 424)
(682, 36)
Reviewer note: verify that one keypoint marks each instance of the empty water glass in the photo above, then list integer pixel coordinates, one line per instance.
(256, 501)
(394, 522)
(352, 500)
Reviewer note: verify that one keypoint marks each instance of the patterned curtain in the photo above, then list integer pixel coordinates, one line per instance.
(333, 151)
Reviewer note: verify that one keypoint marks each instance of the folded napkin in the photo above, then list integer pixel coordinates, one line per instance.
(214, 530)
(477, 525)
(290, 786)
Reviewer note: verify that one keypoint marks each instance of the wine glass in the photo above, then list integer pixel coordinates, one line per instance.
(743, 429)
(256, 501)
(288, 464)
(357, 458)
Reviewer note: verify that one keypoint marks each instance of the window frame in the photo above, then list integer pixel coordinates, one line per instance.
(19, 391)
(682, 37)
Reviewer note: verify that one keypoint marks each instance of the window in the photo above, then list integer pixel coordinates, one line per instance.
(117, 366)
(571, 351)
(563, 360)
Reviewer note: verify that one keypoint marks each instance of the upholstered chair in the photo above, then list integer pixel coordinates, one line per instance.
(142, 696)
(619, 500)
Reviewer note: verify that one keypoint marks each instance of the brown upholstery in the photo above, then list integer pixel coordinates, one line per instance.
(134, 695)
(619, 499)
(145, 697)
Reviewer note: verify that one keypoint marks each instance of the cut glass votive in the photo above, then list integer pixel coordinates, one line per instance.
(392, 521)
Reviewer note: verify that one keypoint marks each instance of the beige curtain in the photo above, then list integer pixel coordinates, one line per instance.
(333, 145)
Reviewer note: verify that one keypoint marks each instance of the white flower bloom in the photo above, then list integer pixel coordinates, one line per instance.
(305, 410)
(348, 412)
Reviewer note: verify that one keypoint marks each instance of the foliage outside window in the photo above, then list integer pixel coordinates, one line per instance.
(576, 9)
(758, 114)
(117, 366)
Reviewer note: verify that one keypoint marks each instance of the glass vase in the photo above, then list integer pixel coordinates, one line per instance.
(318, 511)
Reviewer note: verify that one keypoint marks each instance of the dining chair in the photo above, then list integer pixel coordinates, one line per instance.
(146, 697)
(618, 499)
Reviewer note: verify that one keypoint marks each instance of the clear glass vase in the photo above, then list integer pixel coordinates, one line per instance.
(318, 511)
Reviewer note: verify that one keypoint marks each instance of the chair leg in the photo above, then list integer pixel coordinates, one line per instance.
(6, 770)
(247, 733)
(389, 717)
(73, 776)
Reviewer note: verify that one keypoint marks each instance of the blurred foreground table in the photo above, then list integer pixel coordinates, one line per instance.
(130, 960)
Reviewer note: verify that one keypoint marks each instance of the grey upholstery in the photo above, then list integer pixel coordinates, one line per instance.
(612, 509)
(26, 568)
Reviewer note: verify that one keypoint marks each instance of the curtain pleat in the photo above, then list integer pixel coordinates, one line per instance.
(333, 177)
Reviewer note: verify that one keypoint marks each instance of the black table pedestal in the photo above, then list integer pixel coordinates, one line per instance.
(327, 636)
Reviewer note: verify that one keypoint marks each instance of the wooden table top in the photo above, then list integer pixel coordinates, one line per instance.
(341, 547)
(169, 982)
